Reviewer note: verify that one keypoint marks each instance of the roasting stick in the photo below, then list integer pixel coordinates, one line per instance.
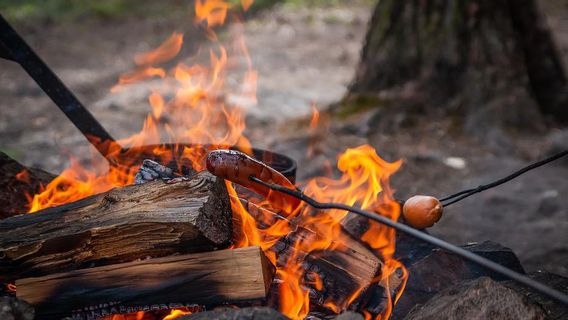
(555, 294)
(423, 212)
(13, 47)
(451, 199)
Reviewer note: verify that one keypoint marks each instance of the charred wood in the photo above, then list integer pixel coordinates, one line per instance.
(17, 181)
(347, 268)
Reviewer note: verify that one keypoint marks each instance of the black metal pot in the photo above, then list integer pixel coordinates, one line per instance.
(135, 156)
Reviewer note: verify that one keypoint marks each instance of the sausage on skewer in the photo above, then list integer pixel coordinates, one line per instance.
(419, 211)
(237, 167)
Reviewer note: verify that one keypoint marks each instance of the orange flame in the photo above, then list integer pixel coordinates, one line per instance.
(195, 112)
(137, 76)
(246, 4)
(314, 122)
(315, 118)
(364, 182)
(212, 11)
(177, 313)
(165, 52)
(186, 111)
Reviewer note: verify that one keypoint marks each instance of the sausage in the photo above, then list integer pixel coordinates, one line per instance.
(422, 211)
(237, 167)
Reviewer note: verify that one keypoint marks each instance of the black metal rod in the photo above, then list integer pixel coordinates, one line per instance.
(469, 192)
(13, 47)
(555, 294)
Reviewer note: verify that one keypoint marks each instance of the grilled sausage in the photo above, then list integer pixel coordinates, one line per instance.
(237, 167)
(422, 211)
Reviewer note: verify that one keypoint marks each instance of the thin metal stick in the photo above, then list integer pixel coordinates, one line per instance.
(555, 294)
(13, 47)
(469, 192)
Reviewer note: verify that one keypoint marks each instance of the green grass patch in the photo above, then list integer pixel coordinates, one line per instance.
(12, 152)
(29, 11)
(32, 11)
(357, 104)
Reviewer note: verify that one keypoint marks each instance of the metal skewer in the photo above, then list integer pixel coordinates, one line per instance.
(523, 279)
(456, 197)
(14, 48)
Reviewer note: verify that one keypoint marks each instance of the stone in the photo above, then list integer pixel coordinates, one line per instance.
(15, 309)
(557, 142)
(349, 315)
(550, 202)
(441, 269)
(554, 310)
(482, 298)
(250, 313)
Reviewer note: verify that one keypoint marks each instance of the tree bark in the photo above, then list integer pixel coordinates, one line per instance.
(209, 278)
(473, 50)
(124, 224)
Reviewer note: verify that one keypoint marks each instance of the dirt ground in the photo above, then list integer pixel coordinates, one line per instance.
(303, 56)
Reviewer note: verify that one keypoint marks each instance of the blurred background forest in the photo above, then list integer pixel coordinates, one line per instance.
(454, 125)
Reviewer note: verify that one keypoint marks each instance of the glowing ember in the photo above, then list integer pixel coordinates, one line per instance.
(23, 176)
(200, 121)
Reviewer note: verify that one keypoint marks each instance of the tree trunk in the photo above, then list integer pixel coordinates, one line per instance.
(478, 51)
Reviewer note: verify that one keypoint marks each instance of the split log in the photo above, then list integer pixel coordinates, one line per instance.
(209, 278)
(349, 268)
(124, 224)
(17, 181)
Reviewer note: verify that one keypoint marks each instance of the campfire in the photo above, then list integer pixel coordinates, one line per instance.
(167, 222)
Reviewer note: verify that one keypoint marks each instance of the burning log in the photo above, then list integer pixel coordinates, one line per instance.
(15, 182)
(124, 224)
(209, 278)
(350, 268)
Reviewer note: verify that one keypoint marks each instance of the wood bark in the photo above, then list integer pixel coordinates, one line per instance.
(209, 278)
(17, 181)
(124, 224)
(468, 53)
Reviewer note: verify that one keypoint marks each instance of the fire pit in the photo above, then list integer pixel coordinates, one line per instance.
(99, 246)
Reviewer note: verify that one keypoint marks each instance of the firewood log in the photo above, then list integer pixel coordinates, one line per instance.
(124, 224)
(208, 278)
(352, 266)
